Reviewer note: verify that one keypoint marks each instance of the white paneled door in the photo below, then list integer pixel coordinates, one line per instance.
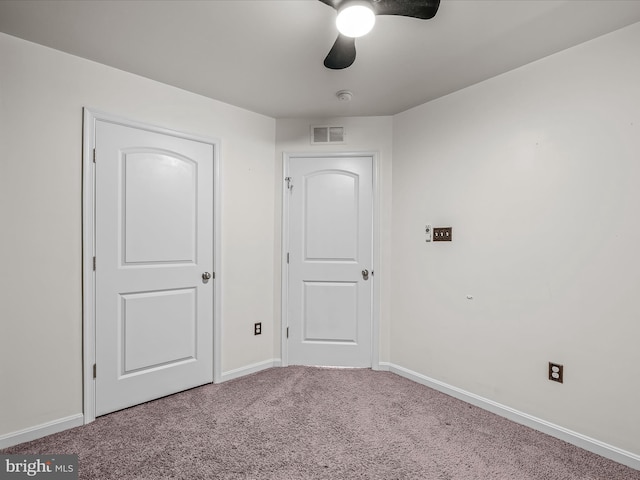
(154, 252)
(329, 309)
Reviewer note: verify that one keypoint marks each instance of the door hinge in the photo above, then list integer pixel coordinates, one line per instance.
(287, 257)
(289, 183)
(94, 370)
(94, 264)
(94, 155)
(287, 332)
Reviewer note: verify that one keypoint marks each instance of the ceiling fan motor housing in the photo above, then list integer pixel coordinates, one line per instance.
(355, 18)
(343, 53)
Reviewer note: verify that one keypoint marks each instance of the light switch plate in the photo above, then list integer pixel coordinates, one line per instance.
(442, 234)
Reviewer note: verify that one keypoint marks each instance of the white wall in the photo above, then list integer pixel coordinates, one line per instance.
(42, 92)
(538, 173)
(363, 134)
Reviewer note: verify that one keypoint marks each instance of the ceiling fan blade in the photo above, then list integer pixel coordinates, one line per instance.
(342, 54)
(423, 9)
(332, 3)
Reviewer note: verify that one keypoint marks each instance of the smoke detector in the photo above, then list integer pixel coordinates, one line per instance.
(344, 95)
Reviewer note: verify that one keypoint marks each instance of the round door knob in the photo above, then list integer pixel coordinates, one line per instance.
(206, 276)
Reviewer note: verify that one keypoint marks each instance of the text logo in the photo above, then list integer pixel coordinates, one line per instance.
(49, 467)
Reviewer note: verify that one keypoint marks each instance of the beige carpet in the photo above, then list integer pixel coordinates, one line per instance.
(310, 423)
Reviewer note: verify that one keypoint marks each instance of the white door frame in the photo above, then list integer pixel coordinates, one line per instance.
(375, 310)
(88, 248)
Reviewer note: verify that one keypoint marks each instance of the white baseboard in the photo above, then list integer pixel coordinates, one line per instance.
(249, 369)
(381, 366)
(42, 430)
(55, 426)
(591, 444)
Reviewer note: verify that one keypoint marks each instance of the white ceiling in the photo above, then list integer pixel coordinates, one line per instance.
(266, 55)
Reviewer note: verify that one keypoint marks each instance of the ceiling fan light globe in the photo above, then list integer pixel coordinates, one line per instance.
(355, 19)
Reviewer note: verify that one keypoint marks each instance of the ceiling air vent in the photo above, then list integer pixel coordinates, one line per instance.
(323, 134)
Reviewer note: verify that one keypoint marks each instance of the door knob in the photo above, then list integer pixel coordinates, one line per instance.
(365, 274)
(206, 276)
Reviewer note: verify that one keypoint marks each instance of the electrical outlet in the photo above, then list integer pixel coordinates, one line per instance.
(555, 372)
(442, 234)
(257, 328)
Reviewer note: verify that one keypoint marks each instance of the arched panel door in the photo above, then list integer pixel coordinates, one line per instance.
(329, 309)
(154, 242)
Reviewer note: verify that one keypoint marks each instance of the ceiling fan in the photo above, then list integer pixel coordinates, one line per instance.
(357, 17)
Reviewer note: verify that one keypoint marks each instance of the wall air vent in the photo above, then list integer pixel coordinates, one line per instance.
(324, 134)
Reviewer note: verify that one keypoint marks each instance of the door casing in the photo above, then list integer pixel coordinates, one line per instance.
(375, 320)
(88, 248)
